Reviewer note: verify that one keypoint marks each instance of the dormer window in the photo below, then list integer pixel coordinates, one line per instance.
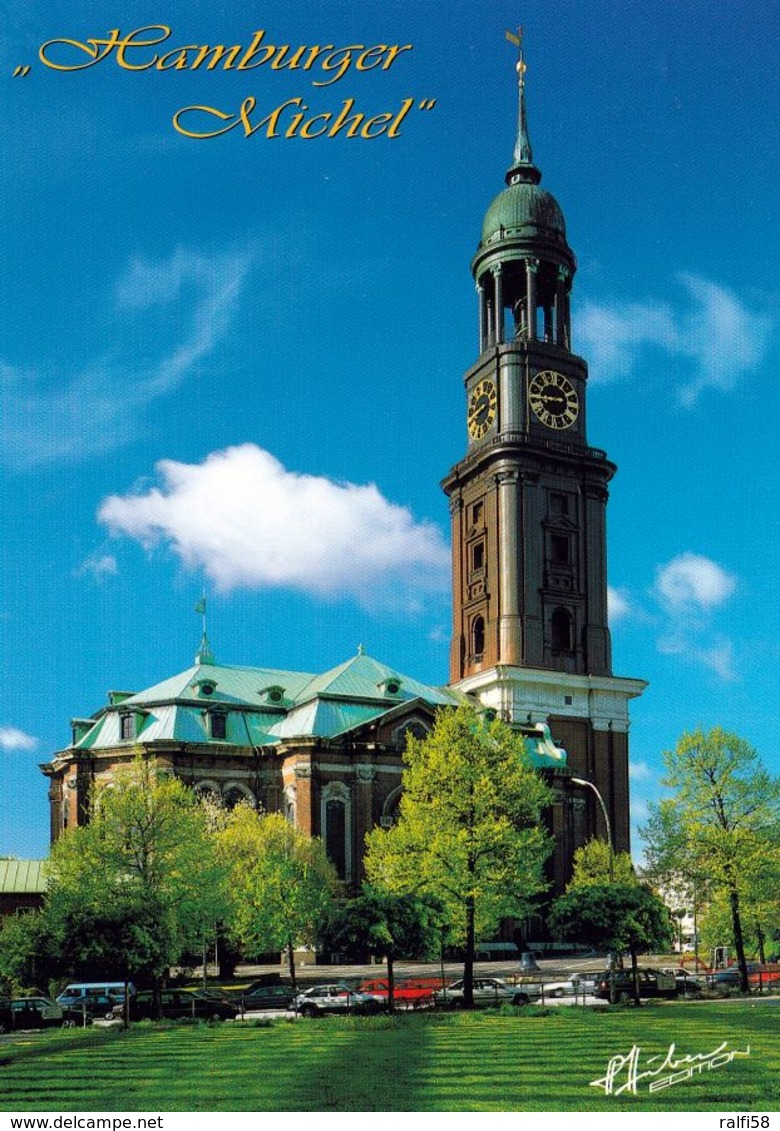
(218, 724)
(391, 685)
(127, 727)
(272, 694)
(204, 687)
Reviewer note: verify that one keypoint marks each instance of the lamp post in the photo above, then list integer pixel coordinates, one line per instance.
(590, 785)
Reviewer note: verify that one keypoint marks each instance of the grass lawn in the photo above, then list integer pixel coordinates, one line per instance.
(525, 1060)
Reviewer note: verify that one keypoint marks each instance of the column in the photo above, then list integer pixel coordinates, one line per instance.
(482, 312)
(499, 306)
(561, 334)
(530, 278)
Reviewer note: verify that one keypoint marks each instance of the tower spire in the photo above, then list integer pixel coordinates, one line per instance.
(204, 655)
(523, 168)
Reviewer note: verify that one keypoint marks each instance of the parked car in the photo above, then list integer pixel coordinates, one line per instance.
(764, 977)
(75, 993)
(261, 982)
(689, 985)
(487, 991)
(726, 978)
(407, 993)
(176, 1004)
(275, 996)
(618, 985)
(335, 997)
(578, 984)
(35, 1013)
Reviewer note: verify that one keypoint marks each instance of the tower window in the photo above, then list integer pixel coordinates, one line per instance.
(477, 514)
(560, 549)
(562, 630)
(559, 505)
(478, 555)
(478, 636)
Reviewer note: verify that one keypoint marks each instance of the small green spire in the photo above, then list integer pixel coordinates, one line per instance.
(523, 168)
(204, 655)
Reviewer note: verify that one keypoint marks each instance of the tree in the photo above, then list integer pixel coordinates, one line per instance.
(596, 863)
(138, 887)
(615, 917)
(470, 829)
(282, 883)
(387, 924)
(721, 825)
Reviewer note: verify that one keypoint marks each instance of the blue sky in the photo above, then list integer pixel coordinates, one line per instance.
(212, 348)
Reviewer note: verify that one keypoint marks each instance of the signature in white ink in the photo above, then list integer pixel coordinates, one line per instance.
(623, 1072)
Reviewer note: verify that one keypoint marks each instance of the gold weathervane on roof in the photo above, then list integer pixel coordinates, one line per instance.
(517, 40)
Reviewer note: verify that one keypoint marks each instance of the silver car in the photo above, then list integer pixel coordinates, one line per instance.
(334, 997)
(487, 991)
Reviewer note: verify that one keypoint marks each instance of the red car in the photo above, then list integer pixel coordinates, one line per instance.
(764, 978)
(409, 993)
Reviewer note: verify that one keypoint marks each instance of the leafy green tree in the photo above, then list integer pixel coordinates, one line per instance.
(721, 825)
(596, 863)
(615, 917)
(386, 924)
(470, 829)
(138, 887)
(282, 884)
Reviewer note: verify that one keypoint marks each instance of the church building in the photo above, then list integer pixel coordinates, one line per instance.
(530, 635)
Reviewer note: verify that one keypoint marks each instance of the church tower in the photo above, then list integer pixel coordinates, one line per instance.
(528, 504)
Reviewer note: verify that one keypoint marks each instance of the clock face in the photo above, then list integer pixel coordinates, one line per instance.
(482, 408)
(554, 399)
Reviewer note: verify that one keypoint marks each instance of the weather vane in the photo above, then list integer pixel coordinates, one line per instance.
(517, 40)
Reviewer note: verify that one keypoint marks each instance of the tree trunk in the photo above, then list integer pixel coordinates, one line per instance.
(468, 965)
(739, 941)
(291, 963)
(635, 977)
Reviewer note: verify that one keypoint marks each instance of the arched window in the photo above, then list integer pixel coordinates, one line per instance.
(234, 793)
(336, 821)
(562, 630)
(478, 637)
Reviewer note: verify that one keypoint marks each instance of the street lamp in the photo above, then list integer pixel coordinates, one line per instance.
(590, 785)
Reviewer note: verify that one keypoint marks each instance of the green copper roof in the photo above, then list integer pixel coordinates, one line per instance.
(21, 877)
(262, 706)
(525, 210)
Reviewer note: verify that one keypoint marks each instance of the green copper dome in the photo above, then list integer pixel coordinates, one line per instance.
(525, 210)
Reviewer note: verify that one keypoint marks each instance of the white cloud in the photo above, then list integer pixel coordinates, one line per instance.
(102, 407)
(640, 771)
(248, 522)
(689, 589)
(691, 581)
(618, 604)
(99, 566)
(714, 339)
(686, 595)
(13, 739)
(692, 643)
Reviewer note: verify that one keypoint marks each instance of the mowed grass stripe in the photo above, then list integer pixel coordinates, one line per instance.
(465, 1062)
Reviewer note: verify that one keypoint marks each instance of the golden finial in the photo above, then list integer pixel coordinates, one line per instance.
(517, 40)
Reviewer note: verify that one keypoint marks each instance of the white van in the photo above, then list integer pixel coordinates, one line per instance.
(76, 992)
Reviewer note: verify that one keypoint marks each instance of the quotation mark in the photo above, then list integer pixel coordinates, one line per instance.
(425, 103)
(21, 71)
